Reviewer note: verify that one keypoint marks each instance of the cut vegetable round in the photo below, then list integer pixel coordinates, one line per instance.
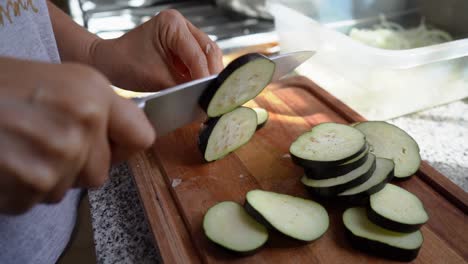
(326, 145)
(228, 225)
(383, 173)
(334, 186)
(390, 142)
(222, 135)
(243, 79)
(373, 239)
(396, 209)
(331, 172)
(262, 116)
(301, 219)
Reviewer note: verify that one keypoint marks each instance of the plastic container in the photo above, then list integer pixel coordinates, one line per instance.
(379, 84)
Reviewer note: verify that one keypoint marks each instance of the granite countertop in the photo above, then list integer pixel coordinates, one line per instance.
(121, 232)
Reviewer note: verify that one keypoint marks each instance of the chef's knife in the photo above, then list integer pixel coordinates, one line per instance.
(177, 106)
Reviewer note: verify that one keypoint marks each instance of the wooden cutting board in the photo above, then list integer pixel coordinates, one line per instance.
(176, 188)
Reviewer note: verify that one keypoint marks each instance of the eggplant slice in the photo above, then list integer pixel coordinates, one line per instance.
(371, 238)
(242, 80)
(390, 142)
(295, 217)
(262, 116)
(224, 134)
(228, 225)
(319, 173)
(383, 173)
(396, 209)
(327, 144)
(334, 186)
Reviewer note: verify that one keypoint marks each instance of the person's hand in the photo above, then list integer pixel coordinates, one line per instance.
(61, 125)
(160, 53)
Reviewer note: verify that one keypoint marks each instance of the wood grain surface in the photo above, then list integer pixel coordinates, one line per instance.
(177, 187)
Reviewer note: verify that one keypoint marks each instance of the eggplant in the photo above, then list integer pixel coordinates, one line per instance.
(382, 174)
(221, 135)
(327, 145)
(373, 239)
(295, 217)
(320, 173)
(242, 80)
(390, 142)
(262, 116)
(228, 225)
(334, 186)
(396, 209)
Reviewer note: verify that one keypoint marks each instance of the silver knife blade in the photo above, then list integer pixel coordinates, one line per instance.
(178, 106)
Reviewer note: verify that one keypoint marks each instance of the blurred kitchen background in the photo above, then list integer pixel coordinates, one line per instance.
(378, 83)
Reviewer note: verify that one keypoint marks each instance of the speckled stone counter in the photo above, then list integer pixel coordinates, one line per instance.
(121, 232)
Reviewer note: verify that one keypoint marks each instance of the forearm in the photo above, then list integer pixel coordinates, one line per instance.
(74, 43)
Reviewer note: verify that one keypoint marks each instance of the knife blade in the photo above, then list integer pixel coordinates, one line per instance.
(178, 106)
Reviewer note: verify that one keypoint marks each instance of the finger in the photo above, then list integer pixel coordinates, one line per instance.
(87, 103)
(49, 138)
(129, 129)
(51, 131)
(211, 50)
(190, 53)
(157, 78)
(120, 154)
(67, 181)
(24, 149)
(96, 167)
(15, 197)
(24, 176)
(182, 73)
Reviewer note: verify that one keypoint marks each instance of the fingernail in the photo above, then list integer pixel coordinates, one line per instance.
(207, 48)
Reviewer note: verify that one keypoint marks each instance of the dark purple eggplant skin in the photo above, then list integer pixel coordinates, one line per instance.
(335, 190)
(381, 249)
(362, 198)
(257, 216)
(389, 224)
(356, 200)
(332, 172)
(381, 185)
(213, 87)
(324, 164)
(261, 125)
(237, 253)
(205, 132)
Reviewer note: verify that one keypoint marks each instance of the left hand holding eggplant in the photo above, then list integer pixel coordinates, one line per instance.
(164, 51)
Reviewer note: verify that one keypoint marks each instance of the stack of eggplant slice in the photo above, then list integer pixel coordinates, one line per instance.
(353, 164)
(230, 125)
(337, 162)
(389, 226)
